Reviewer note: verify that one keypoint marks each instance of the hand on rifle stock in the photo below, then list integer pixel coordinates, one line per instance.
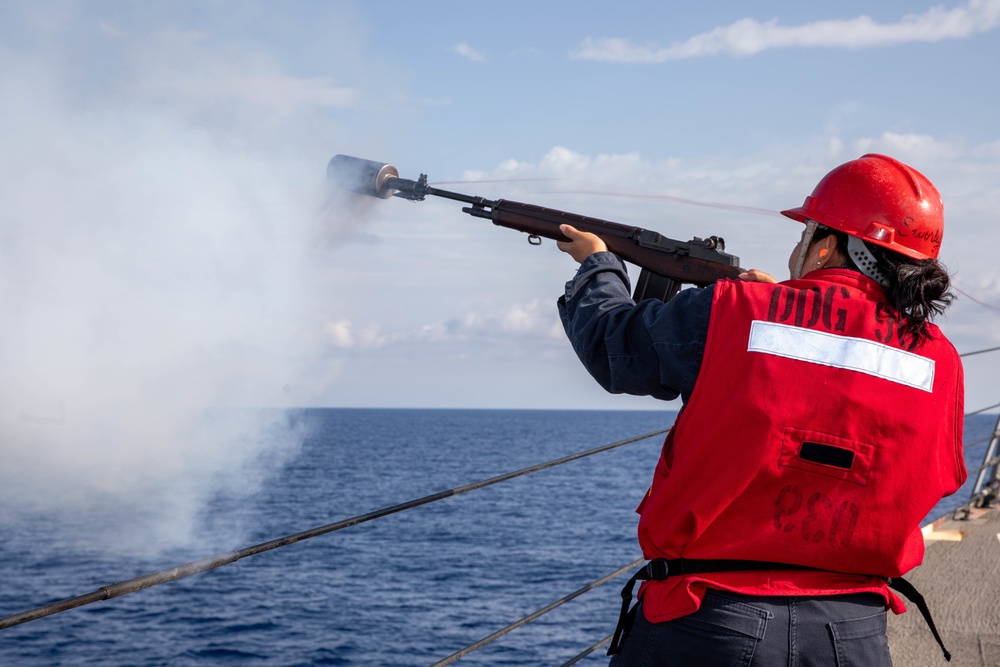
(581, 245)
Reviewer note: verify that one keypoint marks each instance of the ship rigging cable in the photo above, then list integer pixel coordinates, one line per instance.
(969, 354)
(988, 407)
(544, 610)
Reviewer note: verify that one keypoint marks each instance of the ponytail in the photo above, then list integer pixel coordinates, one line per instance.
(917, 289)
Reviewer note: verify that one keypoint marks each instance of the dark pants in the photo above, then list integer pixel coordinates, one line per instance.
(734, 630)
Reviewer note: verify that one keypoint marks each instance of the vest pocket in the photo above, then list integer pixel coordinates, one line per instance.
(826, 455)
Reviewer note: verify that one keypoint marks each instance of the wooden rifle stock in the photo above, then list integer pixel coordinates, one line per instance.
(666, 263)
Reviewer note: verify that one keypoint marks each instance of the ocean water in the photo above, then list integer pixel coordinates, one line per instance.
(408, 589)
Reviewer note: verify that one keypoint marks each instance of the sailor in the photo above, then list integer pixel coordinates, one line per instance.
(821, 422)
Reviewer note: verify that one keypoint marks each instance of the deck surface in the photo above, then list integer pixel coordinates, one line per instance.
(961, 582)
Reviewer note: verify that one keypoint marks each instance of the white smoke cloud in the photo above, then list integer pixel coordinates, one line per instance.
(747, 37)
(199, 77)
(156, 274)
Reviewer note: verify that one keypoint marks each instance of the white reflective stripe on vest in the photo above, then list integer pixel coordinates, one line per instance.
(855, 354)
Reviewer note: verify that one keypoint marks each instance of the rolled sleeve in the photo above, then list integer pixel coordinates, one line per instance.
(650, 348)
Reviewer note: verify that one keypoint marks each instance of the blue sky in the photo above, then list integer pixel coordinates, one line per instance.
(168, 242)
(166, 216)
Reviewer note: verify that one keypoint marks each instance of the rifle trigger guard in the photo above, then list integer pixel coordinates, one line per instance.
(534, 239)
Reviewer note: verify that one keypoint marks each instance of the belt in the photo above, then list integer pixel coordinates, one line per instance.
(659, 569)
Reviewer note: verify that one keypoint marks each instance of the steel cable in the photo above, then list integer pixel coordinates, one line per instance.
(986, 464)
(976, 412)
(530, 617)
(969, 354)
(583, 654)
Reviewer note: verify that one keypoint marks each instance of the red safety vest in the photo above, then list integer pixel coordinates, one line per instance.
(817, 434)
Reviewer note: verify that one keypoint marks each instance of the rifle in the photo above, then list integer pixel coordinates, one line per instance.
(666, 263)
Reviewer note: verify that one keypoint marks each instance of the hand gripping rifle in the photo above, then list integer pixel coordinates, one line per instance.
(666, 263)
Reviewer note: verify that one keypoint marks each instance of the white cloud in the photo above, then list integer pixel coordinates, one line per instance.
(534, 320)
(924, 148)
(339, 334)
(629, 175)
(344, 335)
(747, 37)
(560, 162)
(469, 53)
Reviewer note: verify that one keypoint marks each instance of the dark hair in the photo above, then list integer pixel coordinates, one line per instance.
(918, 288)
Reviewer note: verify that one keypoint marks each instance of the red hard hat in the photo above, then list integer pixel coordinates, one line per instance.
(882, 201)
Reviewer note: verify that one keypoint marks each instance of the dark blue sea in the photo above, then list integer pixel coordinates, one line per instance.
(408, 589)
